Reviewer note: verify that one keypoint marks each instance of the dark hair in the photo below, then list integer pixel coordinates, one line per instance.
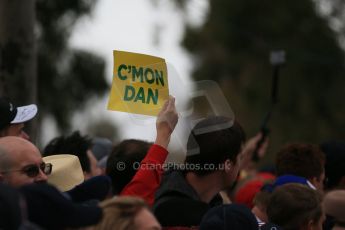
(74, 144)
(305, 160)
(292, 206)
(128, 152)
(212, 141)
(335, 162)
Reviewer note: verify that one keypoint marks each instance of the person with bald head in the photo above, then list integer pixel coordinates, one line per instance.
(21, 162)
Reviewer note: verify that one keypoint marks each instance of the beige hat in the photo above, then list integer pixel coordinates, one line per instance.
(66, 173)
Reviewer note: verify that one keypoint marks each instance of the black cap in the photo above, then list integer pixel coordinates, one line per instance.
(50, 209)
(229, 217)
(95, 188)
(10, 211)
(7, 112)
(10, 114)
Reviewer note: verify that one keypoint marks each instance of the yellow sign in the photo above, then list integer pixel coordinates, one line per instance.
(140, 83)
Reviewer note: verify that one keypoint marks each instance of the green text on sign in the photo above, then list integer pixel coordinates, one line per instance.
(140, 74)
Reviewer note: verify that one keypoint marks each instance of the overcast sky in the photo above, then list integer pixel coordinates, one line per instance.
(142, 26)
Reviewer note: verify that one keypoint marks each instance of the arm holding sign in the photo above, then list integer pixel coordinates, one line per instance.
(166, 122)
(147, 179)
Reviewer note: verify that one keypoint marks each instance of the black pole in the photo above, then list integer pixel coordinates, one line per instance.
(277, 59)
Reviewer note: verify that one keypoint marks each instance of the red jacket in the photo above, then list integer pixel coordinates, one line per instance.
(148, 178)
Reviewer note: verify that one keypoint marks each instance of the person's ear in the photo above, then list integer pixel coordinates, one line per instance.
(317, 182)
(311, 225)
(228, 165)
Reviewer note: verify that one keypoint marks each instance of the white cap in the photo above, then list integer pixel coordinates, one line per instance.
(24, 113)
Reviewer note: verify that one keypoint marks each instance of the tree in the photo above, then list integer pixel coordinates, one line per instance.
(67, 78)
(103, 128)
(18, 51)
(232, 48)
(334, 11)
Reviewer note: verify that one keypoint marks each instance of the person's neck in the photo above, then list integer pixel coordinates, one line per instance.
(260, 214)
(206, 186)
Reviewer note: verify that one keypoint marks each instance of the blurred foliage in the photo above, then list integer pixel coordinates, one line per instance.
(334, 10)
(67, 78)
(103, 128)
(233, 45)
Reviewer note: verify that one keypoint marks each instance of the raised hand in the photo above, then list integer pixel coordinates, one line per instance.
(249, 148)
(166, 122)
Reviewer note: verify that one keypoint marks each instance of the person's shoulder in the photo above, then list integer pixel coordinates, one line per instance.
(180, 211)
(174, 184)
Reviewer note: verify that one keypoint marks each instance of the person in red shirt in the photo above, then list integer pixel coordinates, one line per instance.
(148, 178)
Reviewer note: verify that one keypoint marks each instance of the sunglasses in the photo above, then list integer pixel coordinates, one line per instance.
(34, 170)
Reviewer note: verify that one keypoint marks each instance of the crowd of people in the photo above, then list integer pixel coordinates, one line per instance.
(79, 182)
